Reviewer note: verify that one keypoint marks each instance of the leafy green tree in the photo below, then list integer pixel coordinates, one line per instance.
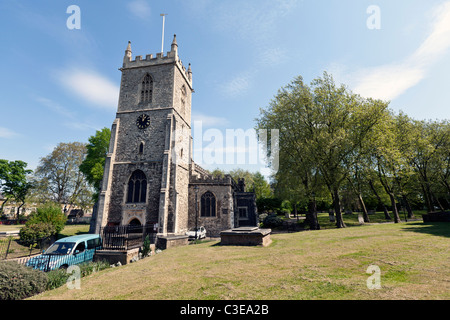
(268, 204)
(217, 173)
(296, 174)
(49, 213)
(30, 233)
(94, 163)
(429, 158)
(14, 182)
(321, 130)
(261, 187)
(441, 163)
(59, 178)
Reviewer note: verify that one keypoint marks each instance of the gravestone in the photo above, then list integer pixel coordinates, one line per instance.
(360, 219)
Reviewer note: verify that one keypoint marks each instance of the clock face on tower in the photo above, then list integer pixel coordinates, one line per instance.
(143, 121)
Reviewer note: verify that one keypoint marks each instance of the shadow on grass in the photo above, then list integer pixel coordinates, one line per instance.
(441, 229)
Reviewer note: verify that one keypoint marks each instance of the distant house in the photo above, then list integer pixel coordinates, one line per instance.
(2, 199)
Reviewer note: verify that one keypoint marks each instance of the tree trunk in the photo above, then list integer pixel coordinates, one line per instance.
(427, 199)
(337, 209)
(441, 207)
(3, 205)
(394, 208)
(446, 185)
(364, 209)
(312, 212)
(387, 216)
(408, 207)
(18, 212)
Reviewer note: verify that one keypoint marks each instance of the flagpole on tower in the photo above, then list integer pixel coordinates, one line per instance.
(162, 41)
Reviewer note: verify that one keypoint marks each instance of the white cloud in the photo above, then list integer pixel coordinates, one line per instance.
(6, 133)
(273, 57)
(208, 121)
(81, 126)
(91, 86)
(237, 85)
(387, 82)
(139, 8)
(54, 106)
(255, 21)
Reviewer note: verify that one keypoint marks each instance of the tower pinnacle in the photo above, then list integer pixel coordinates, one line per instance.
(128, 53)
(174, 47)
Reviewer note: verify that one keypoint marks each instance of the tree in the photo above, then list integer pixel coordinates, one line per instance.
(430, 152)
(296, 173)
(321, 129)
(4, 169)
(387, 158)
(248, 177)
(14, 182)
(49, 213)
(261, 187)
(94, 164)
(59, 178)
(441, 163)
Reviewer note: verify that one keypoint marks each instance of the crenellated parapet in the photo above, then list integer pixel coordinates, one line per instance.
(227, 180)
(150, 60)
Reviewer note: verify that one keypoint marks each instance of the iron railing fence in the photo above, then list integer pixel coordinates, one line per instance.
(12, 247)
(122, 238)
(48, 262)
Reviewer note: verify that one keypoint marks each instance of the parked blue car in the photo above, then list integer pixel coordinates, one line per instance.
(66, 252)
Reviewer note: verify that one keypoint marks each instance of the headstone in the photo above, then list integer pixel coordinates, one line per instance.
(360, 219)
(332, 217)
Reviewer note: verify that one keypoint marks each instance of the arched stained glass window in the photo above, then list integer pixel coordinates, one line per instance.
(137, 188)
(208, 205)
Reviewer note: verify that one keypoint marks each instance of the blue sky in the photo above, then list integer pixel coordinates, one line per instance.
(61, 85)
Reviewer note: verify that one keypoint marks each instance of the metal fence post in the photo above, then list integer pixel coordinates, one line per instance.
(48, 264)
(7, 250)
(31, 250)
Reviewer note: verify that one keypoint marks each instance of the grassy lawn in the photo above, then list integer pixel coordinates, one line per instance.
(69, 230)
(351, 220)
(414, 259)
(73, 230)
(14, 227)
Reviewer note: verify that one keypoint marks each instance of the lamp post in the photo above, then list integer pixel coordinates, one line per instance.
(196, 210)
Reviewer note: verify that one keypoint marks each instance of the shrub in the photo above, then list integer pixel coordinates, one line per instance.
(146, 246)
(32, 232)
(19, 282)
(49, 213)
(262, 216)
(92, 267)
(56, 278)
(272, 221)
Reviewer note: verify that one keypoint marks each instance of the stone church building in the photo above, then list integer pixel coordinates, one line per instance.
(150, 177)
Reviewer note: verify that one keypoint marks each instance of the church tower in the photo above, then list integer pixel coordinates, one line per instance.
(146, 175)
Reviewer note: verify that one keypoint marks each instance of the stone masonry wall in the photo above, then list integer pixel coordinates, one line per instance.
(224, 208)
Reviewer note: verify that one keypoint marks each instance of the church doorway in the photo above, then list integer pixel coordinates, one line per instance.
(135, 223)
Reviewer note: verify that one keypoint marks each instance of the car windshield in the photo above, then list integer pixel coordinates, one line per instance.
(193, 229)
(62, 248)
